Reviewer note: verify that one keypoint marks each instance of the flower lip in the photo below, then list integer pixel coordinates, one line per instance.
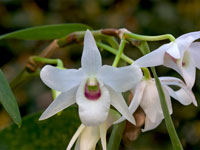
(92, 89)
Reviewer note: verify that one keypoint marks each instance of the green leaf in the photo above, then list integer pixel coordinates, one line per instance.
(50, 134)
(8, 100)
(116, 136)
(168, 120)
(47, 32)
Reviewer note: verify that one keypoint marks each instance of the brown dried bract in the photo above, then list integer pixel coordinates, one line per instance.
(132, 132)
(110, 32)
(47, 52)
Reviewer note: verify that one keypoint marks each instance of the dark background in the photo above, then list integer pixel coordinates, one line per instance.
(149, 17)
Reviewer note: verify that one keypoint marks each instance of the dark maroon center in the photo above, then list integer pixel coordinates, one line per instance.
(92, 93)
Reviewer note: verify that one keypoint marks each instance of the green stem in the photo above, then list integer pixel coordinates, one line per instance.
(53, 92)
(23, 77)
(57, 62)
(114, 51)
(119, 53)
(147, 74)
(150, 38)
(112, 41)
(143, 47)
(168, 121)
(78, 36)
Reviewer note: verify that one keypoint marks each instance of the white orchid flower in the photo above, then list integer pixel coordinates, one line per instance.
(88, 136)
(93, 87)
(181, 55)
(146, 96)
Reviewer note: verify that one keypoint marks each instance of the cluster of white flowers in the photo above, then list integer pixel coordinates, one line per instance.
(95, 87)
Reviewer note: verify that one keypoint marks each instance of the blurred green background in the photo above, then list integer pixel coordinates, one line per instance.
(149, 17)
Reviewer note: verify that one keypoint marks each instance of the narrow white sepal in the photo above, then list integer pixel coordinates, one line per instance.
(103, 131)
(75, 136)
(61, 102)
(91, 59)
(135, 102)
(89, 138)
(184, 95)
(155, 58)
(150, 125)
(119, 103)
(61, 79)
(120, 79)
(77, 146)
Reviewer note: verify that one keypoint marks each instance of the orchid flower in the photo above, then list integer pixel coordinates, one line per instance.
(181, 55)
(146, 95)
(93, 87)
(88, 136)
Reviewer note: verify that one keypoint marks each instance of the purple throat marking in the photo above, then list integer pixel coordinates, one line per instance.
(92, 94)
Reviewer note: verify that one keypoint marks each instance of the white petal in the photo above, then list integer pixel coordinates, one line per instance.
(89, 138)
(188, 38)
(155, 58)
(172, 81)
(61, 79)
(150, 125)
(119, 103)
(189, 70)
(171, 62)
(91, 58)
(63, 101)
(184, 43)
(174, 51)
(184, 66)
(137, 96)
(184, 95)
(120, 79)
(77, 146)
(103, 130)
(93, 112)
(113, 116)
(194, 49)
(151, 102)
(135, 102)
(75, 136)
